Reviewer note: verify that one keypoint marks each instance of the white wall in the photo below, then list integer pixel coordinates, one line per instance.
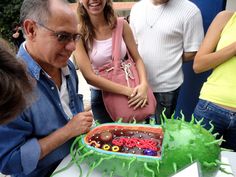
(231, 5)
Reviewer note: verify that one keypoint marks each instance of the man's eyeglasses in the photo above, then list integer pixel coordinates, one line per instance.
(63, 37)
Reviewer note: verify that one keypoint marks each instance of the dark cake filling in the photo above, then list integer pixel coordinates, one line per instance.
(124, 140)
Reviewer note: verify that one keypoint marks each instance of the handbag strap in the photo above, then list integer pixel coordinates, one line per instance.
(116, 41)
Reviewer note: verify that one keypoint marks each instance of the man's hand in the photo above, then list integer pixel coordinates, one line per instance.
(80, 123)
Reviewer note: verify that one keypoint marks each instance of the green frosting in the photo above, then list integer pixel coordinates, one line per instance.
(183, 144)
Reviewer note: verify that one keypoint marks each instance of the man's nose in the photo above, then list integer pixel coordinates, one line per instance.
(71, 45)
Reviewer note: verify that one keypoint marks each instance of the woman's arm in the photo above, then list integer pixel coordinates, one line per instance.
(140, 98)
(93, 79)
(132, 47)
(207, 58)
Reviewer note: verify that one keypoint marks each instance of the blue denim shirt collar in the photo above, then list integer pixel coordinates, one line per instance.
(34, 68)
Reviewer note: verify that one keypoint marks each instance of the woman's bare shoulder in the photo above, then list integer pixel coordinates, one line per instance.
(225, 15)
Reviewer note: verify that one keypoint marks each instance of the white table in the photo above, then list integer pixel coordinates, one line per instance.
(73, 171)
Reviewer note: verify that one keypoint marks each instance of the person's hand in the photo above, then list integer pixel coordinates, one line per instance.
(80, 123)
(139, 97)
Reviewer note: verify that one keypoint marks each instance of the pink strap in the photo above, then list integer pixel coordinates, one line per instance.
(116, 41)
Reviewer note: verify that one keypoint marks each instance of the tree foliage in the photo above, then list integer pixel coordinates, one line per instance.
(9, 19)
(9, 13)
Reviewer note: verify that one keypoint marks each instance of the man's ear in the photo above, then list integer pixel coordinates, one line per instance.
(30, 29)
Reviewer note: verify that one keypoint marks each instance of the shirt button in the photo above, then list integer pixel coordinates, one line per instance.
(52, 88)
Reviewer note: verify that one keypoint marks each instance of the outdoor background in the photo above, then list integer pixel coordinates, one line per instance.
(84, 88)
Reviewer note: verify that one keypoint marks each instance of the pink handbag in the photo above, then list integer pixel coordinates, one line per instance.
(123, 72)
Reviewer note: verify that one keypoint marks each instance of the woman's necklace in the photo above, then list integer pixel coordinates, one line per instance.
(149, 24)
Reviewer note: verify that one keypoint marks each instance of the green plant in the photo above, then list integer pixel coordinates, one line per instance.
(9, 12)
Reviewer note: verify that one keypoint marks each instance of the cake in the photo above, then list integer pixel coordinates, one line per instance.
(147, 150)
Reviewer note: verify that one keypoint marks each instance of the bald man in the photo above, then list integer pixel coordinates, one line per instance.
(41, 136)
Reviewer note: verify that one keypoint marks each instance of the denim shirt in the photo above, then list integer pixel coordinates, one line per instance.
(19, 146)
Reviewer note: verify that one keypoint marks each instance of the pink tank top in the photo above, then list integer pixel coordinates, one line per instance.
(101, 53)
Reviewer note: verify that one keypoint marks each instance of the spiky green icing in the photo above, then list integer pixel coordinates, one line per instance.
(183, 143)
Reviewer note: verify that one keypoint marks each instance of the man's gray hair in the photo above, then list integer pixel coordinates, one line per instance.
(37, 10)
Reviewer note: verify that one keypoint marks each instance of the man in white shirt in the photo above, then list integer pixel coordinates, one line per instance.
(167, 32)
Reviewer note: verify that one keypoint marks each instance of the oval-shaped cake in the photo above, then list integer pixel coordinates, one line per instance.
(143, 150)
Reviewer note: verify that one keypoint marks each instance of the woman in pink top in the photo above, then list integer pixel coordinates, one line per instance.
(97, 20)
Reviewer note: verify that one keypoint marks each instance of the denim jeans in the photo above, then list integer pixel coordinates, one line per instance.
(224, 121)
(167, 101)
(98, 108)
